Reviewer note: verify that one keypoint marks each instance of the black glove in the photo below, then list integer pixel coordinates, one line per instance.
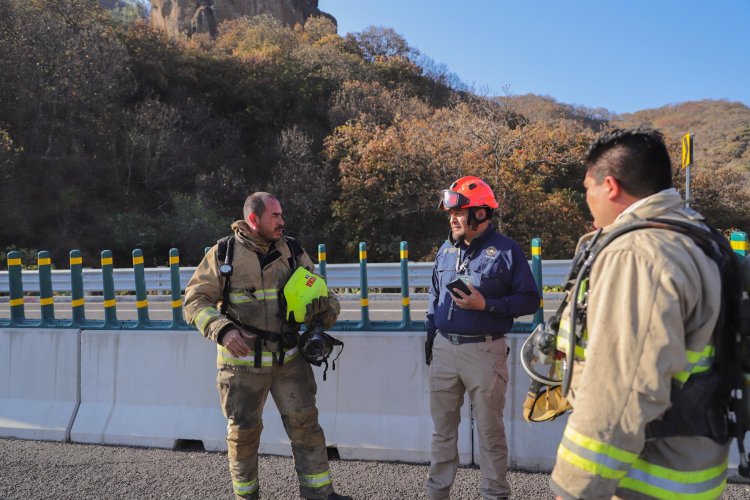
(428, 346)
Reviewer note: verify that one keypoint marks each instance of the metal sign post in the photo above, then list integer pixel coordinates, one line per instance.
(687, 161)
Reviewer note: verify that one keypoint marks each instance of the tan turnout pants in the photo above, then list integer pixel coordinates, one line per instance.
(481, 369)
(243, 393)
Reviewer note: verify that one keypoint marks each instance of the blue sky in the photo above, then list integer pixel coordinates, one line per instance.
(624, 56)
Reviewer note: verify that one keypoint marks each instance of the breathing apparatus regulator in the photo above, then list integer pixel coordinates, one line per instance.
(714, 403)
(315, 345)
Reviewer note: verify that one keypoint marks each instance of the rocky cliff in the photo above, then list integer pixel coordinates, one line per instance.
(184, 17)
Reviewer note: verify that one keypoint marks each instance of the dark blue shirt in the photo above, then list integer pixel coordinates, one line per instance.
(497, 268)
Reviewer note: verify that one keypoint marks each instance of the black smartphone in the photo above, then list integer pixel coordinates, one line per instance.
(460, 284)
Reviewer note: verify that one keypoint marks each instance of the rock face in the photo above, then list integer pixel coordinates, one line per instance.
(185, 17)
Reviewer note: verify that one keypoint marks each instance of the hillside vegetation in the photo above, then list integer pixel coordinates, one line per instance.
(113, 136)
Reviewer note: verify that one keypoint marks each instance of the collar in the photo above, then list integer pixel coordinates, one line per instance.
(489, 231)
(249, 238)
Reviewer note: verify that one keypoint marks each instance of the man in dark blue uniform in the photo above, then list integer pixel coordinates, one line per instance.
(466, 346)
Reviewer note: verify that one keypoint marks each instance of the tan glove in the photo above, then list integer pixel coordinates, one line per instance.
(320, 311)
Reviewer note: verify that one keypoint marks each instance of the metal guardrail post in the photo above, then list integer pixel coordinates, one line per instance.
(46, 297)
(17, 314)
(739, 243)
(536, 269)
(108, 289)
(205, 250)
(76, 288)
(174, 274)
(363, 301)
(322, 261)
(405, 300)
(141, 300)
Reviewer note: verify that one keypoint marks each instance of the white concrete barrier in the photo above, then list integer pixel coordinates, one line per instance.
(38, 382)
(376, 405)
(148, 388)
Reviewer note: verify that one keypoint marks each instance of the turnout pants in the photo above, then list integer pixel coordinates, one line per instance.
(243, 391)
(481, 369)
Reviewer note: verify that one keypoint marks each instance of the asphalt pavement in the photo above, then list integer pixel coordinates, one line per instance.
(31, 470)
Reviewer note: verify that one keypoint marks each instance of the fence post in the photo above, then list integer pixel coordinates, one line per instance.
(174, 274)
(15, 278)
(363, 301)
(141, 300)
(536, 269)
(405, 300)
(46, 297)
(322, 261)
(739, 243)
(108, 289)
(76, 288)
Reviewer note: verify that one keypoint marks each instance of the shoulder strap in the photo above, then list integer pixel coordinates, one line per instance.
(225, 255)
(295, 249)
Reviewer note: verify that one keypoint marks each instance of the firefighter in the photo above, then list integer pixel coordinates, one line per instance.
(466, 347)
(257, 349)
(647, 317)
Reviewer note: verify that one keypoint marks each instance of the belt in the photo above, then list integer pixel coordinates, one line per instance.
(457, 339)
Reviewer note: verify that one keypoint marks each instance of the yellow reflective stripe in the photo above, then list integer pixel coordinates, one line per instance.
(404, 254)
(740, 245)
(588, 465)
(266, 360)
(363, 255)
(536, 250)
(76, 303)
(698, 362)
(140, 304)
(137, 260)
(76, 261)
(541, 303)
(321, 256)
(107, 261)
(582, 291)
(176, 304)
(174, 259)
(44, 262)
(315, 480)
(16, 302)
(244, 297)
(204, 317)
(14, 262)
(599, 447)
(562, 346)
(245, 488)
(364, 302)
(405, 301)
(109, 303)
(662, 482)
(46, 301)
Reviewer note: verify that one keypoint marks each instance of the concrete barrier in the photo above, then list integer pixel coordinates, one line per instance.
(153, 388)
(376, 405)
(39, 382)
(148, 388)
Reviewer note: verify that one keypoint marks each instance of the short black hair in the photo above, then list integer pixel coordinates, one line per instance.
(636, 157)
(256, 203)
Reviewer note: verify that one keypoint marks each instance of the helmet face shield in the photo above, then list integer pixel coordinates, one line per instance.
(452, 199)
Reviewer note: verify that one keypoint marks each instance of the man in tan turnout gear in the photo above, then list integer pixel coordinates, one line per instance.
(248, 366)
(653, 302)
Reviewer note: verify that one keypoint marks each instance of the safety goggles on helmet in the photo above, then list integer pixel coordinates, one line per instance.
(452, 199)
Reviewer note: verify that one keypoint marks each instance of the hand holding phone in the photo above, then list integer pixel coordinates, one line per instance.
(459, 284)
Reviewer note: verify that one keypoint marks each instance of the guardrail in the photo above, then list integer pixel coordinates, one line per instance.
(158, 279)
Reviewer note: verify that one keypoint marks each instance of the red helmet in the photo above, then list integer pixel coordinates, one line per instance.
(466, 192)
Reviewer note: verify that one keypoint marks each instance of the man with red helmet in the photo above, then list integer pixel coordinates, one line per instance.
(466, 347)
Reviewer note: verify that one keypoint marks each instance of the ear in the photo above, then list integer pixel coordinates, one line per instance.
(483, 212)
(615, 189)
(252, 221)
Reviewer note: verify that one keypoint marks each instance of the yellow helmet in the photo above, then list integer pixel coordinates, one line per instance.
(300, 290)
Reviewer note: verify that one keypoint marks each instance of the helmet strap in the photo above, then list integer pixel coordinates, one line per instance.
(473, 221)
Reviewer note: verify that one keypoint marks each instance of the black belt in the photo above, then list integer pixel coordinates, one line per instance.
(457, 339)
